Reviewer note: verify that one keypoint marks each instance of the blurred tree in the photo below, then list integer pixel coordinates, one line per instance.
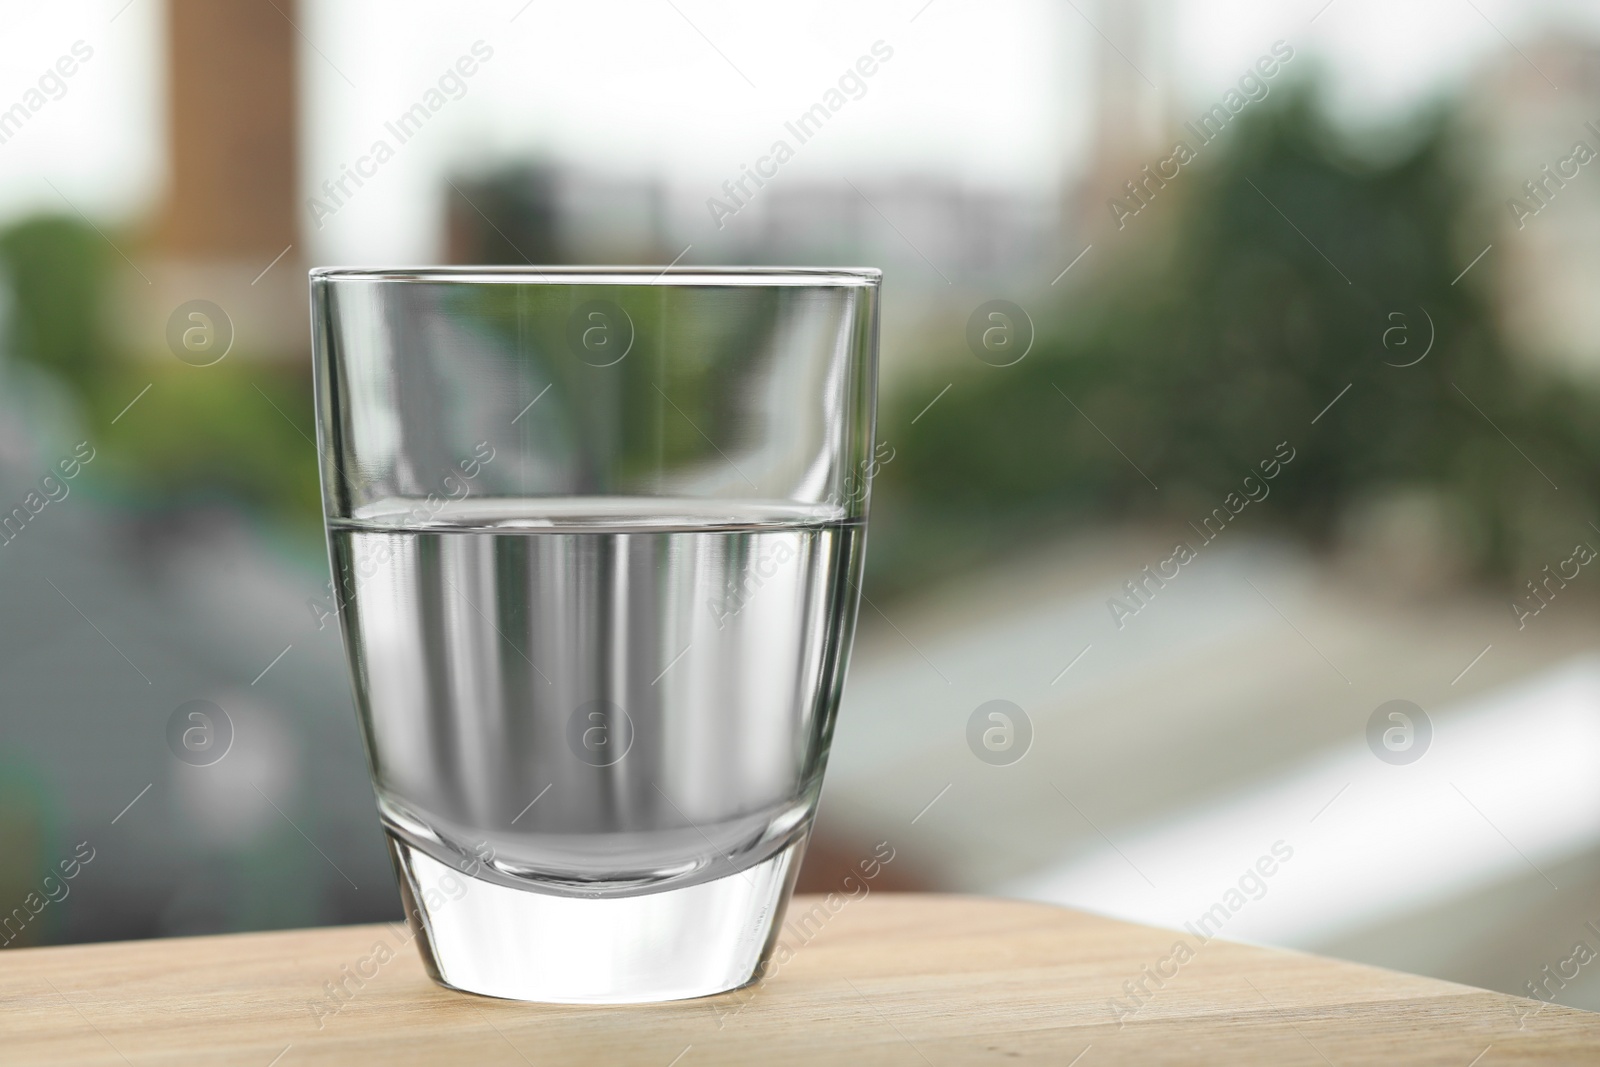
(238, 431)
(57, 269)
(233, 432)
(1284, 260)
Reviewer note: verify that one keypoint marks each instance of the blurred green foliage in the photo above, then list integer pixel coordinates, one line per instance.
(1224, 328)
(239, 431)
(236, 432)
(58, 272)
(1258, 285)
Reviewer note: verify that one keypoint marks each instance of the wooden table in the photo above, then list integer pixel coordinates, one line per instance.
(901, 979)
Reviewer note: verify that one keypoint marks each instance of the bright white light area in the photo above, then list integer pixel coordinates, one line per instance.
(1507, 789)
(688, 92)
(100, 137)
(1383, 59)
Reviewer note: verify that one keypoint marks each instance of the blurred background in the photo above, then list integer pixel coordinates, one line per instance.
(1240, 378)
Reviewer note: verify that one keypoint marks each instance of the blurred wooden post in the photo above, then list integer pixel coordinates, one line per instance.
(233, 174)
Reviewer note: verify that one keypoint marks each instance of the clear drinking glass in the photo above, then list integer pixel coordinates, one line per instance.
(597, 539)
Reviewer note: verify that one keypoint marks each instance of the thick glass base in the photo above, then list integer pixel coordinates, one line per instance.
(517, 944)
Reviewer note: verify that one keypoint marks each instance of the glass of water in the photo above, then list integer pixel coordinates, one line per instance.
(597, 538)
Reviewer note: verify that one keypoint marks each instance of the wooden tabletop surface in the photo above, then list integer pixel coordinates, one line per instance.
(886, 979)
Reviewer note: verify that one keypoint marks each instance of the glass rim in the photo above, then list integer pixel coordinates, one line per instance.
(622, 275)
